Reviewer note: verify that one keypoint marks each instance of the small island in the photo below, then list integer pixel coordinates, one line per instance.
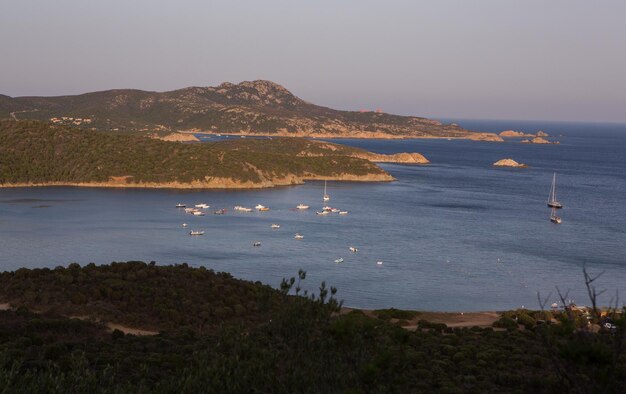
(509, 163)
(539, 140)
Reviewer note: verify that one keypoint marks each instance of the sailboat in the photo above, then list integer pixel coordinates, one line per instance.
(552, 202)
(326, 196)
(553, 218)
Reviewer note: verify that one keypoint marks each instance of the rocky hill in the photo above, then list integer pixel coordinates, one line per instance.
(256, 107)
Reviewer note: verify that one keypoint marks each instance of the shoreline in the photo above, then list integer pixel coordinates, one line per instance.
(370, 135)
(216, 184)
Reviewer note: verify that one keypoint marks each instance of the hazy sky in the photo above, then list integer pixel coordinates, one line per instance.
(499, 59)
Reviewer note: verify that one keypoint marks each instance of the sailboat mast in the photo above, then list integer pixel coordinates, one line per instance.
(554, 187)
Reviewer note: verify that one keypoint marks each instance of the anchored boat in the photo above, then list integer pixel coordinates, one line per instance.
(552, 201)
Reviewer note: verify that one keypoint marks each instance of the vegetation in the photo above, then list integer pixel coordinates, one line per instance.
(36, 152)
(287, 340)
(249, 107)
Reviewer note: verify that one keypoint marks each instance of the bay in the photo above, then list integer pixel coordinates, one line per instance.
(455, 235)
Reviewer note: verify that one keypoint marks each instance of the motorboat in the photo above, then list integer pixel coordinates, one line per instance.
(554, 218)
(184, 224)
(343, 212)
(275, 225)
(353, 249)
(302, 206)
(197, 213)
(219, 212)
(259, 207)
(257, 243)
(203, 206)
(322, 212)
(192, 232)
(179, 205)
(339, 260)
(379, 263)
(298, 236)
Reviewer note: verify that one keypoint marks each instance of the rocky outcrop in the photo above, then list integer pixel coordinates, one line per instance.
(538, 140)
(400, 158)
(485, 137)
(542, 134)
(515, 134)
(177, 137)
(509, 163)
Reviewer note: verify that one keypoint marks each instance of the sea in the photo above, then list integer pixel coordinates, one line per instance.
(454, 235)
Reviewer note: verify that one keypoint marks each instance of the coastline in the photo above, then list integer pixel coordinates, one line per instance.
(215, 183)
(372, 135)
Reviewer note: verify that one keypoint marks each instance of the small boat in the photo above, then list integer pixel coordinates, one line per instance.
(334, 210)
(264, 209)
(257, 243)
(184, 224)
(196, 232)
(326, 196)
(339, 260)
(327, 208)
(179, 205)
(552, 201)
(302, 206)
(553, 218)
(275, 225)
(379, 263)
(322, 212)
(204, 206)
(219, 212)
(237, 208)
(197, 213)
(189, 210)
(298, 236)
(353, 249)
(259, 207)
(343, 212)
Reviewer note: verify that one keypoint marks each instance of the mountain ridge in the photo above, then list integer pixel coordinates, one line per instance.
(257, 107)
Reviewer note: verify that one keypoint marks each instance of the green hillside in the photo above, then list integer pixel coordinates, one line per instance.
(223, 335)
(257, 107)
(37, 152)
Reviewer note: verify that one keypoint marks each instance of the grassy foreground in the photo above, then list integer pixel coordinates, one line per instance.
(220, 334)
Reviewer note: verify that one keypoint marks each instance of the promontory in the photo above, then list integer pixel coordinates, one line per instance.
(34, 153)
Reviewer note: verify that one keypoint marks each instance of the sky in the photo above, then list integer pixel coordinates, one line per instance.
(482, 59)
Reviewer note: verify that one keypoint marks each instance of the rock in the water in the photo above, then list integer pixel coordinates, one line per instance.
(542, 134)
(509, 163)
(538, 140)
(514, 134)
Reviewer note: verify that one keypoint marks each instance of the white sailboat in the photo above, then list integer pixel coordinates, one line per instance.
(326, 196)
(552, 201)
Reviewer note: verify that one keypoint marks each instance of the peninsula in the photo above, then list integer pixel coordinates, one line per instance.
(34, 153)
(248, 108)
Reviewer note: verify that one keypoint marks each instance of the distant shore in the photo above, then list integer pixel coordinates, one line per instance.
(477, 136)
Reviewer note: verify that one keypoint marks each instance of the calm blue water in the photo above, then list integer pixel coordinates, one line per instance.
(455, 235)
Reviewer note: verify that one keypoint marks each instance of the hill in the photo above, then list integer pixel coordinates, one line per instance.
(36, 153)
(256, 107)
(220, 334)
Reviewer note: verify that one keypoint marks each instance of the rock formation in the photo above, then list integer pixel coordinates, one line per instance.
(509, 163)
